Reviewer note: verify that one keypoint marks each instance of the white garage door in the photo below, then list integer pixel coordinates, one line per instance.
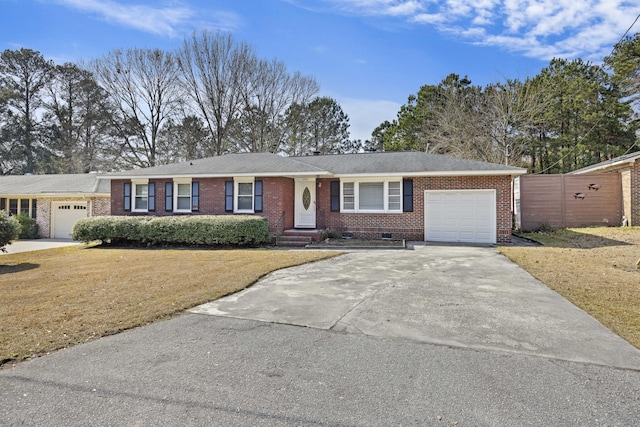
(64, 215)
(460, 216)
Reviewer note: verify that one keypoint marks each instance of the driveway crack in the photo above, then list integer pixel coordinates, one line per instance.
(380, 288)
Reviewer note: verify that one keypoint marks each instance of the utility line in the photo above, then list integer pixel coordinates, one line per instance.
(600, 118)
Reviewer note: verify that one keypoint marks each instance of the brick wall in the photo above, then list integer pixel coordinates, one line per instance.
(96, 206)
(277, 197)
(635, 194)
(278, 205)
(43, 218)
(410, 225)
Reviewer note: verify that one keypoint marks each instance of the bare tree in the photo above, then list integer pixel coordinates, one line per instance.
(271, 91)
(216, 74)
(509, 116)
(144, 85)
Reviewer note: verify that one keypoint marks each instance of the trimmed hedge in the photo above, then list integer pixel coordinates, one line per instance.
(223, 230)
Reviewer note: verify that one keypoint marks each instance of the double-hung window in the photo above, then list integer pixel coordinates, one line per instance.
(182, 195)
(372, 196)
(140, 195)
(243, 195)
(244, 201)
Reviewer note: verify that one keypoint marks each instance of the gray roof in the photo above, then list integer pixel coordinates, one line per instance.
(402, 162)
(616, 161)
(267, 164)
(54, 184)
(227, 165)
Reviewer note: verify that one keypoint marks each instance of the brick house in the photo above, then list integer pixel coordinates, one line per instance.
(55, 201)
(399, 195)
(628, 167)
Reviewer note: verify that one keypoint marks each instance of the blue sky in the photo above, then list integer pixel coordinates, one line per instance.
(369, 55)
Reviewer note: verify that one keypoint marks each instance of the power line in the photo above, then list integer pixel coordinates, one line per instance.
(600, 118)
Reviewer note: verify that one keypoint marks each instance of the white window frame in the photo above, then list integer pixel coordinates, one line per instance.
(356, 195)
(31, 211)
(177, 181)
(236, 194)
(134, 184)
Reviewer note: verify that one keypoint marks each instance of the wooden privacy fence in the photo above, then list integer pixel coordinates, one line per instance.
(569, 200)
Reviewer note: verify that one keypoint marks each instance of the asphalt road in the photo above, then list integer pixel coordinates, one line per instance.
(226, 371)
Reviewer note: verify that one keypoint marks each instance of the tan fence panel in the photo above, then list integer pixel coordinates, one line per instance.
(570, 200)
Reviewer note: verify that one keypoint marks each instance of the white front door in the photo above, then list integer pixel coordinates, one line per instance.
(305, 203)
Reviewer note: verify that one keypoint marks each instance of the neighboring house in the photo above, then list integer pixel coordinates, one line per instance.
(56, 202)
(399, 195)
(628, 166)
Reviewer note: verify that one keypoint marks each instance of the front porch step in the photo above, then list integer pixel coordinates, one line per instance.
(298, 238)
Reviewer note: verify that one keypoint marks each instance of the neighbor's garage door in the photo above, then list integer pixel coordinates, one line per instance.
(460, 216)
(64, 216)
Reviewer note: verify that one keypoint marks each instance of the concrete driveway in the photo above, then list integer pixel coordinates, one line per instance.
(38, 244)
(365, 357)
(459, 296)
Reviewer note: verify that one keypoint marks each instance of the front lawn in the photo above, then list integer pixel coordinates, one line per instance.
(60, 297)
(594, 268)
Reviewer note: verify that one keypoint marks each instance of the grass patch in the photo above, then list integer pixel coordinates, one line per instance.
(61, 297)
(594, 268)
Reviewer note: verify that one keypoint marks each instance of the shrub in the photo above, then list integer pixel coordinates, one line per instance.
(28, 227)
(9, 229)
(206, 230)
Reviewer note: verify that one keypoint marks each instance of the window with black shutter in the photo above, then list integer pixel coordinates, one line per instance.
(152, 197)
(257, 202)
(127, 196)
(335, 196)
(168, 196)
(407, 195)
(228, 196)
(195, 196)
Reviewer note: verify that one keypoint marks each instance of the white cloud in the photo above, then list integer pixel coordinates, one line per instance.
(537, 28)
(165, 21)
(366, 114)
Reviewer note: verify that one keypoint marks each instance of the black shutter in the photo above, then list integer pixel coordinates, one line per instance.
(3, 204)
(127, 196)
(195, 196)
(152, 196)
(257, 196)
(335, 196)
(228, 196)
(407, 195)
(168, 196)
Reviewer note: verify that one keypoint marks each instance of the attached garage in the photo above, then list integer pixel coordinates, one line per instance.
(55, 201)
(64, 216)
(460, 216)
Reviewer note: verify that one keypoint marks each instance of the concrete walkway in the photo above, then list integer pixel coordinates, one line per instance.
(470, 297)
(38, 244)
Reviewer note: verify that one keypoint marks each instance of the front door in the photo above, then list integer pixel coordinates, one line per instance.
(305, 204)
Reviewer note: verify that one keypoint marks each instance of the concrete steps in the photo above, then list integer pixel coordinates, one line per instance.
(298, 238)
